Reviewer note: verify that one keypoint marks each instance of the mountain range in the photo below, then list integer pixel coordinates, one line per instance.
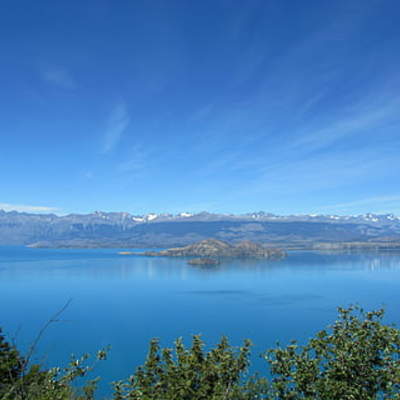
(121, 229)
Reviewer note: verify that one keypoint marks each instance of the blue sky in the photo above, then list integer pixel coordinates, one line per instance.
(284, 106)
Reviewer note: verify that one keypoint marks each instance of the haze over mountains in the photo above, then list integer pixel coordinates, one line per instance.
(121, 229)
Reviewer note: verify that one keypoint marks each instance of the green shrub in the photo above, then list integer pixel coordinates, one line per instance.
(192, 374)
(11, 364)
(356, 359)
(20, 381)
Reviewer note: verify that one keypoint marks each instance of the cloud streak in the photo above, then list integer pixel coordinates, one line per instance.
(380, 201)
(117, 124)
(361, 120)
(137, 161)
(27, 208)
(58, 76)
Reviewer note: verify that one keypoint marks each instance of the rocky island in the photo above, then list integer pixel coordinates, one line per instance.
(217, 249)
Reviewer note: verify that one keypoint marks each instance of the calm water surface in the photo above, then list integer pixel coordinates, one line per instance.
(124, 301)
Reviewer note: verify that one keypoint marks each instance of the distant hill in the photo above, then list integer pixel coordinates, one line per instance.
(101, 229)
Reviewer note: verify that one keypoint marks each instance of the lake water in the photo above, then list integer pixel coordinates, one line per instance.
(124, 301)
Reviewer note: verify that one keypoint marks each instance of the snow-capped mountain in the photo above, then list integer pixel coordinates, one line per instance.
(153, 228)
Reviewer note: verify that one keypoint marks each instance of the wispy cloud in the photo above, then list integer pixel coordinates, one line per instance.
(300, 135)
(27, 208)
(363, 118)
(375, 202)
(58, 76)
(88, 175)
(136, 162)
(117, 124)
(326, 170)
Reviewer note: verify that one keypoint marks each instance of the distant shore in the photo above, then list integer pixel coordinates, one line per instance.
(288, 246)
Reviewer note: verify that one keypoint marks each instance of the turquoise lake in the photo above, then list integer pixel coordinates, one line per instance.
(124, 301)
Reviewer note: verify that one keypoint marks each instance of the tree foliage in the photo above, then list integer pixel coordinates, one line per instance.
(11, 363)
(192, 374)
(20, 381)
(357, 358)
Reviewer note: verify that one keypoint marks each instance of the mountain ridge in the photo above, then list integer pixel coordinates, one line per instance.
(204, 215)
(122, 229)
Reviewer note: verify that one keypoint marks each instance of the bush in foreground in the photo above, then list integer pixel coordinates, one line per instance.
(21, 381)
(357, 358)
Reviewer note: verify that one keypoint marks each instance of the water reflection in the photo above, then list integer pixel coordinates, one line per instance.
(114, 267)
